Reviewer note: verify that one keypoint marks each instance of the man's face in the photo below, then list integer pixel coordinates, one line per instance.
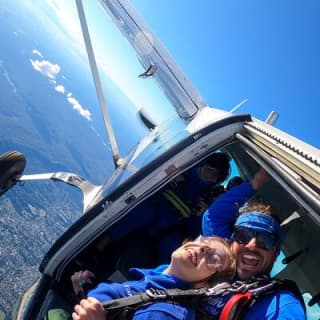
(253, 260)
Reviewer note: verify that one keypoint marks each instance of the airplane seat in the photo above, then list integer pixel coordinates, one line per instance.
(55, 307)
(295, 244)
(117, 276)
(294, 248)
(138, 251)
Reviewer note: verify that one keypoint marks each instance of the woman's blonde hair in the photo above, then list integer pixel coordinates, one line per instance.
(228, 273)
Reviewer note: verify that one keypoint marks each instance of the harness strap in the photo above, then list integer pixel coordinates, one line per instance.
(186, 296)
(240, 302)
(244, 295)
(177, 203)
(235, 305)
(152, 295)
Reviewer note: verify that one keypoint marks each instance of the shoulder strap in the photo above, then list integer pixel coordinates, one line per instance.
(235, 306)
(240, 302)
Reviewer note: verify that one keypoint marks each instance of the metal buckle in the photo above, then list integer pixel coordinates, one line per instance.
(156, 293)
(218, 289)
(262, 288)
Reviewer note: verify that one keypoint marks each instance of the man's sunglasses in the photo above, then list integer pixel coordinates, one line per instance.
(264, 240)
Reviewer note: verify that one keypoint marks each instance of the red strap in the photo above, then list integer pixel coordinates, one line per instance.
(234, 306)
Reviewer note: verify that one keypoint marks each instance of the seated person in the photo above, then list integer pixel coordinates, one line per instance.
(200, 263)
(179, 208)
(256, 237)
(197, 184)
(174, 213)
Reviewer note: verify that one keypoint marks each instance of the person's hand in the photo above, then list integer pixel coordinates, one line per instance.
(89, 309)
(260, 179)
(79, 279)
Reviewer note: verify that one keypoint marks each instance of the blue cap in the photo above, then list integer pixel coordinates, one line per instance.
(261, 222)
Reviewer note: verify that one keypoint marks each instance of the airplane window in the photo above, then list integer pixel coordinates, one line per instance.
(313, 312)
(278, 266)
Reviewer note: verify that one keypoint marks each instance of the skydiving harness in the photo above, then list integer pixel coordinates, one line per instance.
(242, 296)
(186, 210)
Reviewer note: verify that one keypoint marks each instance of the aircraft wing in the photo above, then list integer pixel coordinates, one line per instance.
(156, 60)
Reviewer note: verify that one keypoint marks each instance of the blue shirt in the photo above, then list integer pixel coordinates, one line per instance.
(218, 221)
(149, 278)
(281, 305)
(219, 217)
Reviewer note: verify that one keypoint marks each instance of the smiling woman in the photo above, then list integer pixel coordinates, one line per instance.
(204, 261)
(200, 263)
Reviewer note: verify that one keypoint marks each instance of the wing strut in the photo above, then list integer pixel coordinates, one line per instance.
(94, 70)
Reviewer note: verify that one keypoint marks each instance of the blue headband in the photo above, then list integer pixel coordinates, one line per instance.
(261, 222)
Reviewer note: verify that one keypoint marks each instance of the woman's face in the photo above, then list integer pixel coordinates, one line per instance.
(199, 259)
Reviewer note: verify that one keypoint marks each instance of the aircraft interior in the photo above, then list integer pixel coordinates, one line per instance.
(110, 258)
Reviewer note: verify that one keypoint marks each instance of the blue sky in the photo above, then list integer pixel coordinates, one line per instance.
(264, 51)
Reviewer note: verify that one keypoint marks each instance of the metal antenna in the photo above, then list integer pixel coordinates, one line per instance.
(272, 118)
(239, 105)
(94, 70)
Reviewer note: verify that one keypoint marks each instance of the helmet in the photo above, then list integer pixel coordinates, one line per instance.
(220, 161)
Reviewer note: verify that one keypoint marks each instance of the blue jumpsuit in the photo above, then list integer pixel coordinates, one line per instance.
(218, 220)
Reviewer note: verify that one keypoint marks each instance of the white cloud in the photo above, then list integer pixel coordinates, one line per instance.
(60, 88)
(51, 70)
(46, 68)
(77, 106)
(37, 52)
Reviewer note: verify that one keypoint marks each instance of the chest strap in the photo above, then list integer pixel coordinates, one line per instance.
(152, 295)
(244, 294)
